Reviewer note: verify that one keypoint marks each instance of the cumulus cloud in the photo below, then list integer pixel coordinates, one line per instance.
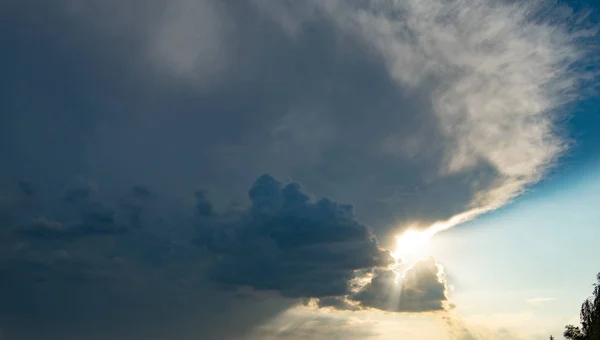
(305, 249)
(285, 247)
(289, 244)
(421, 289)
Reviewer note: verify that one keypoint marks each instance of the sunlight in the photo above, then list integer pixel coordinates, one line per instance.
(412, 244)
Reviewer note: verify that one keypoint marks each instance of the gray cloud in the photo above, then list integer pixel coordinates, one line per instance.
(410, 111)
(88, 269)
(283, 247)
(421, 290)
(289, 244)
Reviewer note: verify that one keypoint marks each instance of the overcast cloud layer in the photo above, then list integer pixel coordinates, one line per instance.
(130, 134)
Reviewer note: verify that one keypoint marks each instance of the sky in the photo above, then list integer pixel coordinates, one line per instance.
(256, 169)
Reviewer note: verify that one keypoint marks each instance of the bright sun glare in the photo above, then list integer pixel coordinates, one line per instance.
(412, 243)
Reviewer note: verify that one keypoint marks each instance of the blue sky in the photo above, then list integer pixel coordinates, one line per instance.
(542, 247)
(248, 166)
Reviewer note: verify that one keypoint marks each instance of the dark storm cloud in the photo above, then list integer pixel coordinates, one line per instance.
(284, 246)
(201, 93)
(86, 272)
(287, 243)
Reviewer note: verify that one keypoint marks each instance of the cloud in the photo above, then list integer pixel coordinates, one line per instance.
(495, 91)
(285, 247)
(287, 243)
(92, 269)
(412, 112)
(422, 289)
(539, 300)
(76, 215)
(192, 38)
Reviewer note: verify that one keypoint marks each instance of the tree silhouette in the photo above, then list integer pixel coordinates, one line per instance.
(590, 318)
(574, 333)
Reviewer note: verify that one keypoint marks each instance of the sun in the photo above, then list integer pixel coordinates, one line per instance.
(412, 244)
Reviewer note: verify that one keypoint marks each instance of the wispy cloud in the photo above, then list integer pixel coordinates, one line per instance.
(539, 300)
